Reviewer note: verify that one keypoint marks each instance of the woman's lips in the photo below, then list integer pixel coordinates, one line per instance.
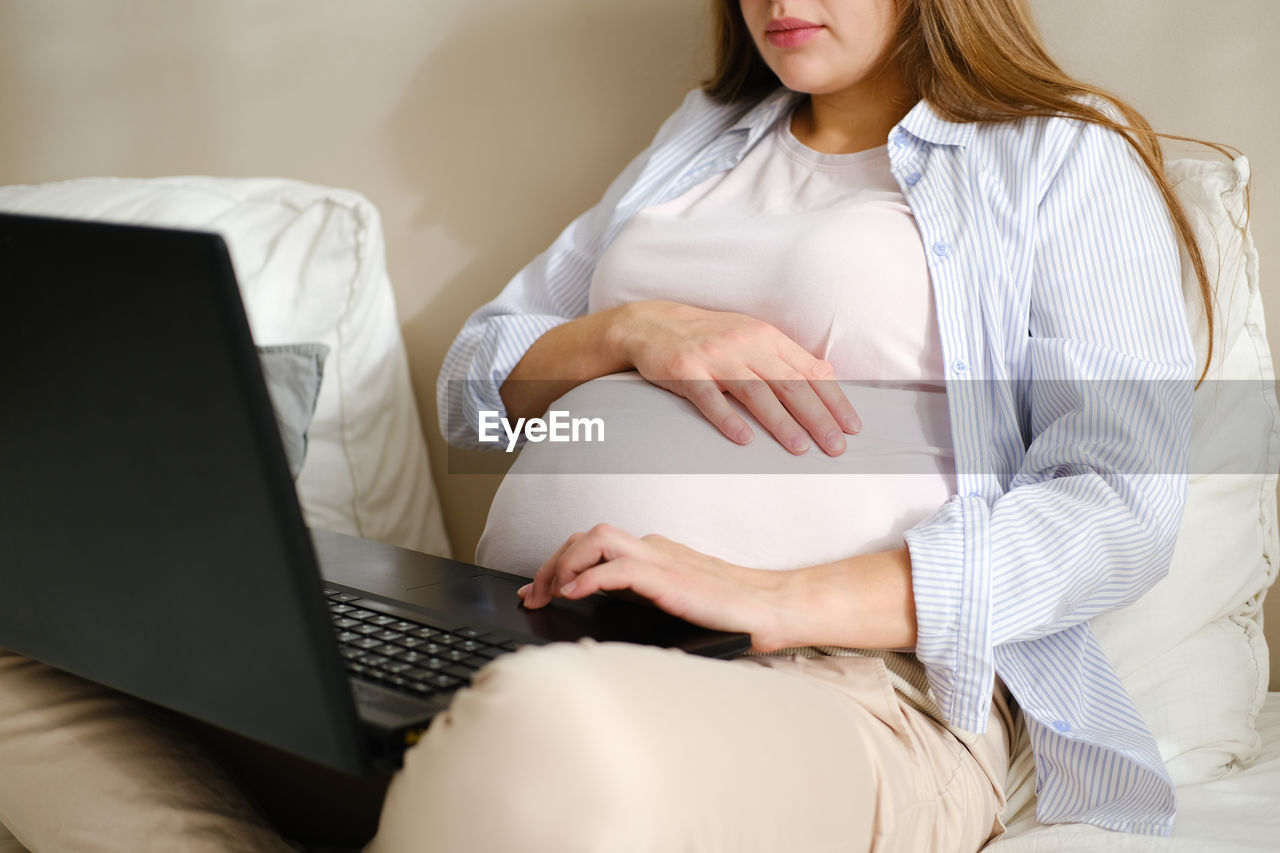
(791, 32)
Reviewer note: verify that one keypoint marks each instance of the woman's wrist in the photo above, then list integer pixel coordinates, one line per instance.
(616, 334)
(565, 356)
(623, 330)
(863, 602)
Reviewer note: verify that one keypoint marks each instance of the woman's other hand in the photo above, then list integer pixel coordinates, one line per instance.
(701, 355)
(686, 583)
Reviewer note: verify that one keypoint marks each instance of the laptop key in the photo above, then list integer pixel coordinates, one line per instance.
(411, 656)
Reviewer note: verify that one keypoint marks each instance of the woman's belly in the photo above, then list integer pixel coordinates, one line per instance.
(662, 468)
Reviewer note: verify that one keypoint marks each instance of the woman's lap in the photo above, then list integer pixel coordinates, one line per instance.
(567, 747)
(621, 748)
(85, 768)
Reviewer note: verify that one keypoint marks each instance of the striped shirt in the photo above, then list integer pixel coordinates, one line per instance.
(1053, 257)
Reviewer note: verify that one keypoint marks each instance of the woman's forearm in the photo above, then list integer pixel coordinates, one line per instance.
(566, 356)
(862, 602)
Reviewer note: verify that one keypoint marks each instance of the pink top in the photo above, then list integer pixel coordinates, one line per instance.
(825, 248)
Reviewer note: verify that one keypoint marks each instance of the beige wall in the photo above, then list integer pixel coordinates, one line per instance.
(480, 129)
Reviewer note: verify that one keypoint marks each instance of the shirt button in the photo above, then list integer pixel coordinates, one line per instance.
(913, 179)
(960, 365)
(901, 138)
(1061, 726)
(942, 249)
(975, 494)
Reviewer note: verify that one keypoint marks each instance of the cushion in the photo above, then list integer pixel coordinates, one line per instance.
(293, 374)
(1191, 651)
(310, 261)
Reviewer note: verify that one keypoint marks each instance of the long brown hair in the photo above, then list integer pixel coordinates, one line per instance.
(975, 60)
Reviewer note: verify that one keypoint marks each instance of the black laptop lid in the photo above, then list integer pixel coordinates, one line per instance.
(151, 538)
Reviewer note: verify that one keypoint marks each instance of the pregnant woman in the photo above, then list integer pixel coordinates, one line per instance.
(864, 287)
(852, 323)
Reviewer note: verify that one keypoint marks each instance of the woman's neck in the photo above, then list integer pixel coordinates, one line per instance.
(853, 119)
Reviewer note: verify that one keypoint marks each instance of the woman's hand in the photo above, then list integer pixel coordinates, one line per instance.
(862, 602)
(700, 355)
(684, 582)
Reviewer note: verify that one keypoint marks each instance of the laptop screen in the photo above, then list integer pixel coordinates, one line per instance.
(152, 539)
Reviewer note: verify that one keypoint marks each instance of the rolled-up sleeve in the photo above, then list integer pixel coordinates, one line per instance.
(1086, 520)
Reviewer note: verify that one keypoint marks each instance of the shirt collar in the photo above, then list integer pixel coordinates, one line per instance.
(922, 121)
(925, 123)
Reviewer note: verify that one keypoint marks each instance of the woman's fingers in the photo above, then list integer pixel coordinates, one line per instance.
(701, 354)
(798, 395)
(686, 583)
(710, 400)
(538, 592)
(835, 401)
(762, 400)
(826, 408)
(793, 410)
(580, 552)
(795, 406)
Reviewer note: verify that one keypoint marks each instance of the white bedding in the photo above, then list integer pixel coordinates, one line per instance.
(1236, 814)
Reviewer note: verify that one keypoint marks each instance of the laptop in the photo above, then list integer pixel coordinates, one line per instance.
(152, 539)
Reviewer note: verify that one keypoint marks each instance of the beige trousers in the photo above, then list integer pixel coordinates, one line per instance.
(569, 747)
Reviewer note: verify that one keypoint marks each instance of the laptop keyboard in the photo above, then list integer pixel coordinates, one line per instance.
(409, 655)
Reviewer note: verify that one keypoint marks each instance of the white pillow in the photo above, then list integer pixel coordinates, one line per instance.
(1191, 652)
(310, 261)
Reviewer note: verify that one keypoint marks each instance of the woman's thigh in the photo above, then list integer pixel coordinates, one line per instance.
(608, 747)
(83, 768)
